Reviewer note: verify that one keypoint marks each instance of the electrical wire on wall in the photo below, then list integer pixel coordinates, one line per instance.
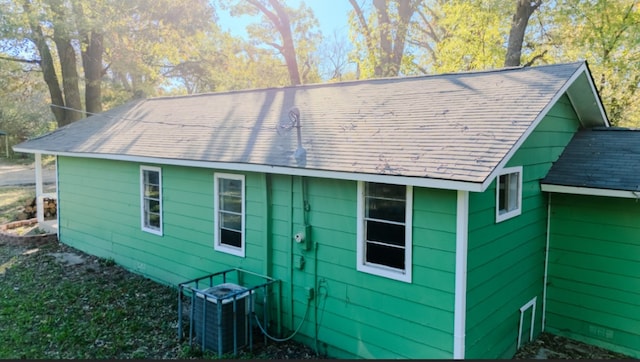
(306, 312)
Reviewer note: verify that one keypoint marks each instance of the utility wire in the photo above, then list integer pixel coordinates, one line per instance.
(294, 332)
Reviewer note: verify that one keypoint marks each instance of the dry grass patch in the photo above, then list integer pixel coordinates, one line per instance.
(12, 201)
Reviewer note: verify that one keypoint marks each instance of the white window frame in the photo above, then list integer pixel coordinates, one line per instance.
(501, 216)
(143, 214)
(377, 269)
(229, 249)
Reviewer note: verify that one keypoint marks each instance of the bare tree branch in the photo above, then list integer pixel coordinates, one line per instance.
(20, 60)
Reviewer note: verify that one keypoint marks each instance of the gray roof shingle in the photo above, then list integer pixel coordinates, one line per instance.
(600, 158)
(457, 127)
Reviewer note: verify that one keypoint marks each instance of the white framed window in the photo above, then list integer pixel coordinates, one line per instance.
(509, 193)
(384, 230)
(229, 219)
(151, 199)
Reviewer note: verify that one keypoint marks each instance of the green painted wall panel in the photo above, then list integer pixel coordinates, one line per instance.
(594, 271)
(505, 263)
(356, 301)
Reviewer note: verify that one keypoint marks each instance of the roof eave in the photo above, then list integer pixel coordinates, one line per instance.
(590, 191)
(585, 99)
(283, 170)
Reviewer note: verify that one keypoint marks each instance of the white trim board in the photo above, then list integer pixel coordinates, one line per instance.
(281, 170)
(577, 190)
(581, 70)
(531, 304)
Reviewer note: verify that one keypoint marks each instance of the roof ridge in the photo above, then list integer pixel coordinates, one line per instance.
(362, 81)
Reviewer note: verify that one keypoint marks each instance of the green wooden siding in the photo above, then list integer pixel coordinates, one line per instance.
(506, 260)
(354, 311)
(594, 271)
(100, 214)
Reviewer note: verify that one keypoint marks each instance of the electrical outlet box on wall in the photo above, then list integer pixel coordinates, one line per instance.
(303, 238)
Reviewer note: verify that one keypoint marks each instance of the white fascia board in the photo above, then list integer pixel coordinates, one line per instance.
(352, 176)
(582, 69)
(577, 190)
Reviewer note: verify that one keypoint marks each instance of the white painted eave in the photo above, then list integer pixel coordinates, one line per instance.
(353, 176)
(577, 190)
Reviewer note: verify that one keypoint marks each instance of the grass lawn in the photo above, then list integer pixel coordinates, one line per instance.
(50, 309)
(12, 201)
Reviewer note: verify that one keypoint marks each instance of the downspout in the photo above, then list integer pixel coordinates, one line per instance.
(460, 306)
(306, 208)
(269, 244)
(290, 243)
(546, 264)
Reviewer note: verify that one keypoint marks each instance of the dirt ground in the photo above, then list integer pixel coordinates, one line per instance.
(548, 346)
(16, 173)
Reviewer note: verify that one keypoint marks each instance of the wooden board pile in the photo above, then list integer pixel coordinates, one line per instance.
(30, 210)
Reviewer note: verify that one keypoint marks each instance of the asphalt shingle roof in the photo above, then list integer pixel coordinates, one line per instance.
(451, 127)
(600, 158)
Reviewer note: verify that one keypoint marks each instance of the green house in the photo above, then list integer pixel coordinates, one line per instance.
(402, 217)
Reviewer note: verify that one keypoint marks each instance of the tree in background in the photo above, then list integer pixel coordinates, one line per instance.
(606, 34)
(524, 10)
(130, 40)
(23, 102)
(111, 51)
(335, 55)
(379, 35)
(291, 32)
(473, 35)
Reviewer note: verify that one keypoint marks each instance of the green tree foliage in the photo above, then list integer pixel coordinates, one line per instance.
(606, 34)
(474, 35)
(95, 55)
(77, 44)
(23, 102)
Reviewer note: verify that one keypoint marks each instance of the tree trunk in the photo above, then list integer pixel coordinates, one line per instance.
(92, 62)
(383, 65)
(73, 110)
(48, 69)
(524, 9)
(406, 9)
(67, 55)
(288, 48)
(281, 21)
(91, 53)
(389, 51)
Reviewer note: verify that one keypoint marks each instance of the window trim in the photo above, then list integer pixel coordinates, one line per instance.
(145, 228)
(377, 269)
(518, 210)
(217, 245)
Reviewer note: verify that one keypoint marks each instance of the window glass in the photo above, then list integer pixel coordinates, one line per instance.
(151, 199)
(229, 222)
(509, 193)
(385, 243)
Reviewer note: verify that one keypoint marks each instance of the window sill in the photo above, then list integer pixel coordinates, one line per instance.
(385, 272)
(230, 250)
